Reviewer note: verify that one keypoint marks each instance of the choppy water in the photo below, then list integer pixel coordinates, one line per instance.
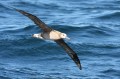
(92, 25)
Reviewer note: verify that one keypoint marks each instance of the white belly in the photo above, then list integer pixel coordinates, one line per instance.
(55, 35)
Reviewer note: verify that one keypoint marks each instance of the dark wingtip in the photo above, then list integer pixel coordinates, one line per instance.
(22, 12)
(77, 61)
(79, 66)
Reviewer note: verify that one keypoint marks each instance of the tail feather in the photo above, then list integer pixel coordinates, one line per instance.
(37, 36)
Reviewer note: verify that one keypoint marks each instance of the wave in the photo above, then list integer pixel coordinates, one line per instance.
(112, 72)
(95, 40)
(3, 7)
(86, 30)
(42, 7)
(113, 16)
(23, 4)
(94, 49)
(2, 17)
(3, 77)
(90, 29)
(12, 33)
(35, 4)
(14, 30)
(5, 10)
(21, 40)
(36, 47)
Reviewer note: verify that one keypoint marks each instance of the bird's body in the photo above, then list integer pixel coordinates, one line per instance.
(54, 35)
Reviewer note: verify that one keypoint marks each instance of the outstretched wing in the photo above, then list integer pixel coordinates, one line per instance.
(70, 52)
(36, 20)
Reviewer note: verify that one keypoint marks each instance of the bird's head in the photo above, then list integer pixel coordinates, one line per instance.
(63, 35)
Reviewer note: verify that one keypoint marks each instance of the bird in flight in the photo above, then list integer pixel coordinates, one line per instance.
(54, 35)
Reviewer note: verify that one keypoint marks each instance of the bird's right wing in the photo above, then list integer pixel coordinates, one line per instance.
(36, 20)
(70, 52)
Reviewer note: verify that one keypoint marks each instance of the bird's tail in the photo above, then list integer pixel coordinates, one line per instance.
(37, 36)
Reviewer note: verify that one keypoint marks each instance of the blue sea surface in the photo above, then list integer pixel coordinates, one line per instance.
(92, 25)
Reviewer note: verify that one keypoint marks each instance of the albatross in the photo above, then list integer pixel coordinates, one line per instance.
(50, 34)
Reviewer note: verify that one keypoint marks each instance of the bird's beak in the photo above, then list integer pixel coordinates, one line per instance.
(67, 38)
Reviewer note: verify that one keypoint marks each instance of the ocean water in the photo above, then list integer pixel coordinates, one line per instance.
(92, 25)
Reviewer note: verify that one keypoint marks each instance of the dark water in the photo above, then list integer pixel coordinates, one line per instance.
(92, 25)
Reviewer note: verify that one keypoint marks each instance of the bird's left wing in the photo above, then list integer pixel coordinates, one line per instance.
(70, 52)
(36, 20)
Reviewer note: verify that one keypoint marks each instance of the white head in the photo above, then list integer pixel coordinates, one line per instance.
(63, 35)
